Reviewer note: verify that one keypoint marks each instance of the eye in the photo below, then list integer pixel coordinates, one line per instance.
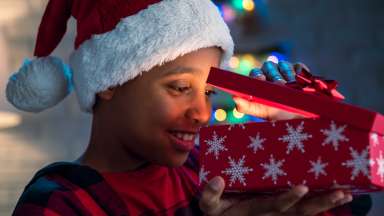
(183, 89)
(210, 92)
(179, 88)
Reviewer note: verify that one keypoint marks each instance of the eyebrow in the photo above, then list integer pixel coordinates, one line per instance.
(181, 69)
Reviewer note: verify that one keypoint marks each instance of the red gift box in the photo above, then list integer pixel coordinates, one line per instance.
(337, 145)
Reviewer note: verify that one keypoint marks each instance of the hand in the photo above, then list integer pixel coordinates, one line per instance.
(289, 203)
(277, 73)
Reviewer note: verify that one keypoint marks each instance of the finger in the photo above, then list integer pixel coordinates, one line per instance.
(298, 67)
(251, 108)
(286, 69)
(272, 73)
(210, 199)
(289, 199)
(258, 74)
(322, 203)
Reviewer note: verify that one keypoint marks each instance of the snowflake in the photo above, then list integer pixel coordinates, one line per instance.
(203, 175)
(237, 171)
(257, 143)
(375, 139)
(334, 135)
(359, 163)
(216, 145)
(380, 164)
(273, 169)
(295, 138)
(318, 168)
(242, 126)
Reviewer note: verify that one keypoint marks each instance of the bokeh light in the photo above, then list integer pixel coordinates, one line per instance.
(234, 62)
(220, 115)
(248, 5)
(237, 114)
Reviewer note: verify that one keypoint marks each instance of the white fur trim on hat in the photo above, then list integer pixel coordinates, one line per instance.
(158, 34)
(39, 84)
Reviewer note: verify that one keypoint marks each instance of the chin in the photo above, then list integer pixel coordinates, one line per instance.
(175, 160)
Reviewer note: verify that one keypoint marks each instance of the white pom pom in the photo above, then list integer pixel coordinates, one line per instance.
(39, 84)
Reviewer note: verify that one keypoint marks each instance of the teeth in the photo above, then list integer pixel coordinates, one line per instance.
(184, 136)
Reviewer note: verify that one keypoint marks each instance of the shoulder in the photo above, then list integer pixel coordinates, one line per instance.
(52, 190)
(41, 195)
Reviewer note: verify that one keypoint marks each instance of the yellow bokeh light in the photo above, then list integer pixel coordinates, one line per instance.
(237, 114)
(248, 5)
(234, 62)
(249, 58)
(220, 115)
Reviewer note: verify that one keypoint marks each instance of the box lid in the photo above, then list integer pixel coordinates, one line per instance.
(296, 101)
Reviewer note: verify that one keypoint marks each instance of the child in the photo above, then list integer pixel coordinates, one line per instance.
(140, 67)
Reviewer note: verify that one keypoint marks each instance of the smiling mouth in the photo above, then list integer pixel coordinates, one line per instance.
(182, 140)
(185, 136)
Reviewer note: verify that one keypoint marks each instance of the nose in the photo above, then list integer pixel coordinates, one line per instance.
(199, 111)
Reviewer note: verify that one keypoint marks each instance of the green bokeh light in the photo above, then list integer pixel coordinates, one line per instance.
(244, 67)
(238, 4)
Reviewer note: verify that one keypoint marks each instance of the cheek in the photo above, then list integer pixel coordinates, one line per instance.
(167, 111)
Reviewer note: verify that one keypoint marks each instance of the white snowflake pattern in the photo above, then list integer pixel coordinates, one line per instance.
(318, 168)
(334, 135)
(359, 163)
(203, 175)
(380, 168)
(216, 145)
(273, 169)
(375, 139)
(242, 126)
(237, 170)
(295, 137)
(256, 143)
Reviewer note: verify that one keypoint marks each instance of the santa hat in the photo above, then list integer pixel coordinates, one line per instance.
(116, 41)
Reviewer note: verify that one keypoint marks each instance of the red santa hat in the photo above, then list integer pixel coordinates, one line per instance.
(116, 41)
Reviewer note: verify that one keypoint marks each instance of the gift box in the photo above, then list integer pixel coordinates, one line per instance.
(335, 145)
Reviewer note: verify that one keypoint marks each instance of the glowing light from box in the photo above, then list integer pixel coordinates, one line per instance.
(9, 120)
(237, 114)
(234, 62)
(273, 59)
(248, 5)
(220, 115)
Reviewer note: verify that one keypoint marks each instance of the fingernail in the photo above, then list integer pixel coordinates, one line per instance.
(216, 184)
(337, 197)
(280, 81)
(302, 190)
(255, 72)
(302, 66)
(348, 198)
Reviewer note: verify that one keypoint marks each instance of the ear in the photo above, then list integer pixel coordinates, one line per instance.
(107, 94)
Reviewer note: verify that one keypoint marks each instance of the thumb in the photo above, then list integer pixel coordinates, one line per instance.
(211, 196)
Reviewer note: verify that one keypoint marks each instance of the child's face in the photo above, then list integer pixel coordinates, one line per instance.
(156, 116)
